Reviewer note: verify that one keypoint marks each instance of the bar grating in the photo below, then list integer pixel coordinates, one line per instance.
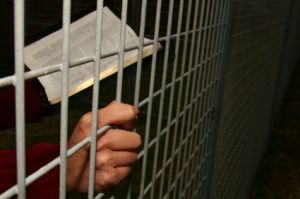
(205, 95)
(256, 38)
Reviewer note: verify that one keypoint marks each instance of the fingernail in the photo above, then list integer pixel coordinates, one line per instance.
(136, 110)
(113, 102)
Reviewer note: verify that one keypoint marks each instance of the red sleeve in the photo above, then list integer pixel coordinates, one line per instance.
(37, 156)
(33, 104)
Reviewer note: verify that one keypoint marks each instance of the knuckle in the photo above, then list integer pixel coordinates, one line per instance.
(85, 121)
(104, 158)
(106, 139)
(131, 112)
(111, 177)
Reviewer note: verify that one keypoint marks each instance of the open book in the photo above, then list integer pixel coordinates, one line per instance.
(48, 51)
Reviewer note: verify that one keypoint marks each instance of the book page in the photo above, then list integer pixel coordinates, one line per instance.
(48, 51)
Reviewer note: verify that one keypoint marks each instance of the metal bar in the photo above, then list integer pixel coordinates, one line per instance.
(140, 53)
(64, 101)
(172, 122)
(204, 67)
(180, 174)
(219, 48)
(121, 50)
(225, 37)
(121, 53)
(200, 84)
(151, 90)
(187, 91)
(205, 126)
(238, 111)
(194, 82)
(180, 94)
(95, 103)
(171, 104)
(247, 110)
(248, 122)
(185, 140)
(162, 97)
(209, 120)
(99, 196)
(43, 170)
(220, 11)
(20, 96)
(46, 168)
(159, 173)
(178, 79)
(139, 70)
(172, 96)
(9, 80)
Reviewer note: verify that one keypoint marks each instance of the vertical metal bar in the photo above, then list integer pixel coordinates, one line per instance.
(151, 89)
(200, 84)
(140, 53)
(19, 96)
(191, 59)
(207, 92)
(208, 89)
(139, 69)
(224, 45)
(188, 90)
(121, 50)
(95, 104)
(216, 49)
(64, 101)
(162, 97)
(170, 108)
(210, 77)
(187, 25)
(196, 59)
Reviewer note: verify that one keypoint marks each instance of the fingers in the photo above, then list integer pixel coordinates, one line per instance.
(109, 177)
(118, 139)
(107, 158)
(118, 114)
(113, 114)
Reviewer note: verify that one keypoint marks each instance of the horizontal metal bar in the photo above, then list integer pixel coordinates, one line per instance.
(159, 173)
(99, 196)
(254, 30)
(179, 175)
(173, 121)
(44, 169)
(153, 141)
(10, 80)
(193, 176)
(178, 79)
(240, 94)
(199, 186)
(248, 107)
